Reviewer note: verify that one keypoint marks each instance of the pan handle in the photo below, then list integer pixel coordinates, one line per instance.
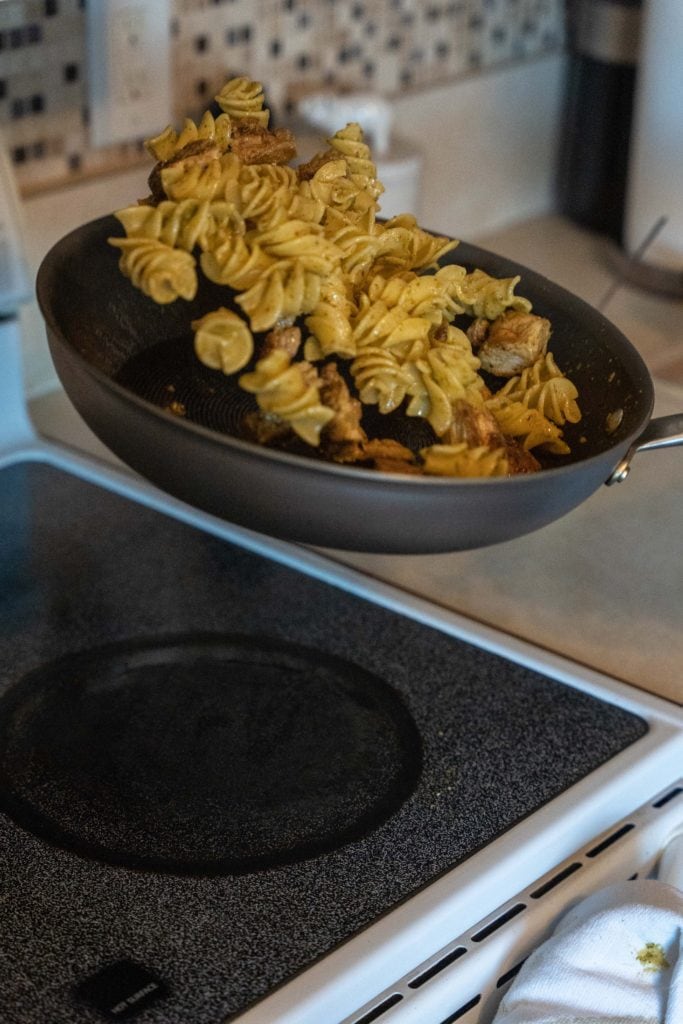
(661, 432)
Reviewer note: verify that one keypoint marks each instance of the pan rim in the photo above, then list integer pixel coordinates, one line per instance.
(331, 469)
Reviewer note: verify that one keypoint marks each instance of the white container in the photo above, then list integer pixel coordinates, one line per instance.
(400, 171)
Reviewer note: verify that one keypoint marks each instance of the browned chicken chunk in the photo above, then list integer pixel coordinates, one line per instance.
(513, 342)
(255, 144)
(478, 331)
(264, 429)
(308, 170)
(199, 151)
(334, 393)
(477, 426)
(474, 425)
(519, 459)
(287, 338)
(389, 456)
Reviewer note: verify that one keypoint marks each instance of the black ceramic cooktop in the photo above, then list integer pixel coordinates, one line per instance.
(214, 769)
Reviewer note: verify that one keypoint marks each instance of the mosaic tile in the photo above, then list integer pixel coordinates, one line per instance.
(292, 46)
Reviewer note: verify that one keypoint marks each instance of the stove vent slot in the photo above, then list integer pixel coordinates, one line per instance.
(555, 880)
(610, 840)
(578, 875)
(498, 922)
(378, 1010)
(509, 975)
(668, 796)
(452, 1017)
(440, 965)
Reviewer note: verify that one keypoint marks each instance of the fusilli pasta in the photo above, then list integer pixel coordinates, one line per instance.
(304, 245)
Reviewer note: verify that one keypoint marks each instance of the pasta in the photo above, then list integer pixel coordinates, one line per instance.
(462, 460)
(160, 271)
(289, 391)
(223, 341)
(544, 387)
(330, 310)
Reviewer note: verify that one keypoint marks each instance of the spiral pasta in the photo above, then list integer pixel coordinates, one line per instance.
(285, 290)
(238, 262)
(223, 341)
(169, 143)
(268, 194)
(480, 295)
(443, 377)
(329, 322)
(290, 392)
(183, 225)
(161, 272)
(210, 178)
(544, 387)
(240, 98)
(461, 460)
(380, 379)
(304, 246)
(349, 142)
(529, 425)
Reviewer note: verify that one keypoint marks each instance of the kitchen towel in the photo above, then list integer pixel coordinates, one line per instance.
(615, 958)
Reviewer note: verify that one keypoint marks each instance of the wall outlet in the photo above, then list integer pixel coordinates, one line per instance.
(129, 69)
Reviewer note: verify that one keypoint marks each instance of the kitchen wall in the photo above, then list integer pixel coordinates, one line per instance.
(398, 48)
(476, 88)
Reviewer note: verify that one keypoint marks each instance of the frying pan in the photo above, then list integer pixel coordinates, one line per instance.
(128, 363)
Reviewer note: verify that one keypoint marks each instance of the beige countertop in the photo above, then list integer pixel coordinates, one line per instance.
(603, 585)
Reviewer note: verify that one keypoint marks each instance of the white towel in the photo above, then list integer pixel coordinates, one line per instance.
(615, 958)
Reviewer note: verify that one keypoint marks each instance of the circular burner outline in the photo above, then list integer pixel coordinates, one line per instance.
(34, 820)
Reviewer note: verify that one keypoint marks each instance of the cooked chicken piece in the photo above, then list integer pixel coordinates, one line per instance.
(308, 170)
(344, 452)
(515, 340)
(475, 425)
(345, 428)
(255, 144)
(478, 331)
(265, 429)
(287, 338)
(389, 456)
(200, 151)
(519, 459)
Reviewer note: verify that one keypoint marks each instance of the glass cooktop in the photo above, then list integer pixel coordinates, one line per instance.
(214, 769)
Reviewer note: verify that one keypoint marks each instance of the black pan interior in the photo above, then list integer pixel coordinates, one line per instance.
(147, 348)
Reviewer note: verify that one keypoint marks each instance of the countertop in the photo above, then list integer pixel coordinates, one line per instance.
(604, 585)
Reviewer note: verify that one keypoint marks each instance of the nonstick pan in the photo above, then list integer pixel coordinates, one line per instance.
(128, 366)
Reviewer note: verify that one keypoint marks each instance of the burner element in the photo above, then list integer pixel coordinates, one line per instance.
(204, 754)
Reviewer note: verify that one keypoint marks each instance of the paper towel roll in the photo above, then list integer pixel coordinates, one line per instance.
(655, 186)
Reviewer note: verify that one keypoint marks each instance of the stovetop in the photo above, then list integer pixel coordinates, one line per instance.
(140, 657)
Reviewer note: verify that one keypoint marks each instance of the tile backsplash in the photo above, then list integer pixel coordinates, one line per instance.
(293, 46)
